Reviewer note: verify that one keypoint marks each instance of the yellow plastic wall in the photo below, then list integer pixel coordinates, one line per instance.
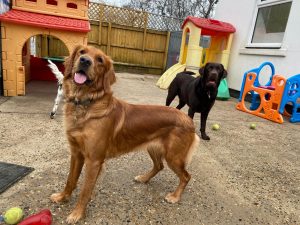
(194, 51)
(219, 50)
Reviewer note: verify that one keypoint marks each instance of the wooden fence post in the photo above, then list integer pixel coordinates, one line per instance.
(108, 38)
(145, 29)
(166, 51)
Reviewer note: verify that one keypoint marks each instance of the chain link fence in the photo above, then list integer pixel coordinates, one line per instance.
(131, 17)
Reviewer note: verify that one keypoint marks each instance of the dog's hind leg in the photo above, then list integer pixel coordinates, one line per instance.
(156, 156)
(57, 101)
(178, 154)
(172, 92)
(180, 105)
(184, 177)
(170, 98)
(191, 113)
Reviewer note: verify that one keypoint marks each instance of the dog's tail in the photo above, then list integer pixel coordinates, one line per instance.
(189, 72)
(59, 76)
(192, 149)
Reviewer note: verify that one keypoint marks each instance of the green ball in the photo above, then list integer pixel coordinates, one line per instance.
(216, 126)
(13, 215)
(252, 126)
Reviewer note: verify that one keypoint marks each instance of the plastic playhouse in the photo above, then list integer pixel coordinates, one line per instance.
(291, 97)
(193, 56)
(65, 20)
(269, 101)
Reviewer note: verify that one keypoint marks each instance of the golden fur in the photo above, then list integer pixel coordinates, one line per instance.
(99, 126)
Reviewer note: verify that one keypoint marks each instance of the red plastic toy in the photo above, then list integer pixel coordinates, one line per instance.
(42, 218)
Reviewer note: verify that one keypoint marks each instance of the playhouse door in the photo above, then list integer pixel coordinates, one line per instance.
(20, 80)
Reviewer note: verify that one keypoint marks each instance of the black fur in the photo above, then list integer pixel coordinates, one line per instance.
(198, 93)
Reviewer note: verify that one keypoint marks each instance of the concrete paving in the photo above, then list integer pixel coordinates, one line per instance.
(240, 176)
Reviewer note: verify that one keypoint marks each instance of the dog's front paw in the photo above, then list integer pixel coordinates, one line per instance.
(141, 179)
(172, 198)
(205, 137)
(59, 197)
(52, 115)
(74, 216)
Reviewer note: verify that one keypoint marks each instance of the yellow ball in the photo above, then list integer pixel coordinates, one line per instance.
(216, 126)
(252, 126)
(13, 215)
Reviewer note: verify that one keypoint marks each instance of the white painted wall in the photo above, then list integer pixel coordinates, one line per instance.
(240, 13)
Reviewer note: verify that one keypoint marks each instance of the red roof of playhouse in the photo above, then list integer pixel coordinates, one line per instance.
(209, 26)
(47, 21)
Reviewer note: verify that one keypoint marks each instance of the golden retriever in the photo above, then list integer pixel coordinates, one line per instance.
(99, 127)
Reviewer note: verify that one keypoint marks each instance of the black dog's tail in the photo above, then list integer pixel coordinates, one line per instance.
(187, 72)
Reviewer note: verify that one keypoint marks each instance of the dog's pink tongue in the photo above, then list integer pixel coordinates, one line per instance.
(80, 78)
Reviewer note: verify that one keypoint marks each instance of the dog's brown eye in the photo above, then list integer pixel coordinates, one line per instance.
(82, 52)
(99, 59)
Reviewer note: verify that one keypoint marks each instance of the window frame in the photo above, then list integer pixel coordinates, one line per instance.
(262, 4)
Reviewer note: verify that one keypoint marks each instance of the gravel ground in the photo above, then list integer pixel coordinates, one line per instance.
(240, 176)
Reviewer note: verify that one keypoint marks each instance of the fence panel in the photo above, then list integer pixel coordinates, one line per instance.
(124, 34)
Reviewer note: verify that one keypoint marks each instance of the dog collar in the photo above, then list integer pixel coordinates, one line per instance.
(85, 102)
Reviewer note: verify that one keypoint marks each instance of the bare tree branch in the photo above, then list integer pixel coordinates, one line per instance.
(176, 8)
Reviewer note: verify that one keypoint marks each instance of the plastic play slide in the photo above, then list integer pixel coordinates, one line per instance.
(166, 79)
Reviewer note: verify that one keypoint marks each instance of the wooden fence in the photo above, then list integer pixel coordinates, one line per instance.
(123, 35)
(131, 48)
(136, 41)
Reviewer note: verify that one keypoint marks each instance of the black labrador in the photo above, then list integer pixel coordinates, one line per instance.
(198, 93)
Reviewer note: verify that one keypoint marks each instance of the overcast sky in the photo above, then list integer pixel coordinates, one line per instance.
(113, 2)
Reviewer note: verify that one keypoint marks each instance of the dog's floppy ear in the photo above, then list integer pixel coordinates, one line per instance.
(201, 80)
(224, 75)
(69, 61)
(109, 78)
(202, 70)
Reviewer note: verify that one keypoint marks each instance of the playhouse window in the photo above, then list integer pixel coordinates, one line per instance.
(51, 2)
(72, 5)
(270, 23)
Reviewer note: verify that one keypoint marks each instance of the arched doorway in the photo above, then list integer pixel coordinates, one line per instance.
(35, 52)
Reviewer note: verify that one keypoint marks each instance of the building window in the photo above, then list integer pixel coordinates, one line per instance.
(72, 5)
(30, 0)
(270, 23)
(51, 2)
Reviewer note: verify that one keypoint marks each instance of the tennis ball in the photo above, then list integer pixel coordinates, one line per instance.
(252, 126)
(13, 215)
(216, 126)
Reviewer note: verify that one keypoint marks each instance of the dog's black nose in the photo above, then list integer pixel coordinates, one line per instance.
(85, 61)
(214, 73)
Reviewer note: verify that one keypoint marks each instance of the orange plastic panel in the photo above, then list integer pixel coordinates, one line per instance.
(269, 99)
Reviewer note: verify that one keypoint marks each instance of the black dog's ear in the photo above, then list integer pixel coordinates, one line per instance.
(202, 69)
(201, 78)
(224, 72)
